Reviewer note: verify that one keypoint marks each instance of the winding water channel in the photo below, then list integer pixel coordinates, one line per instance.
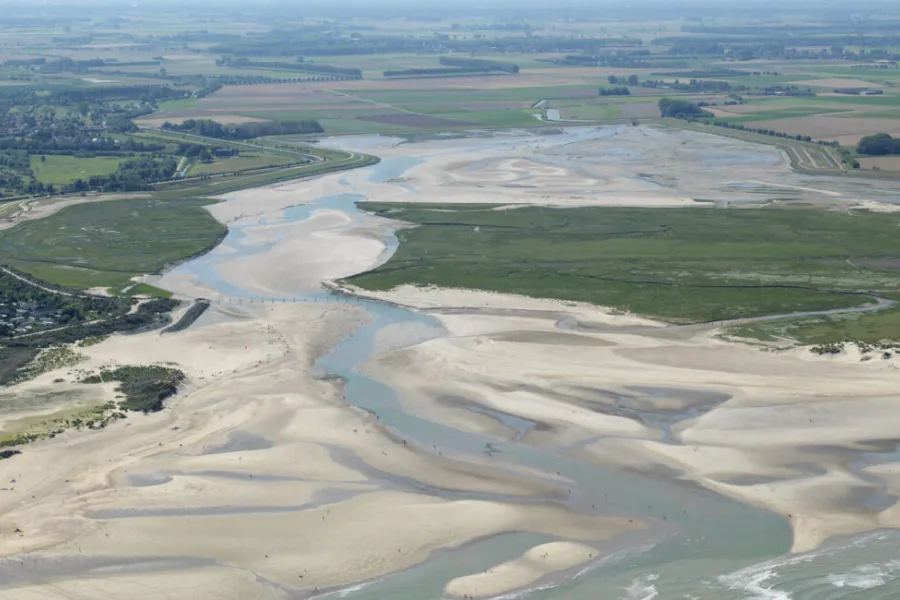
(701, 545)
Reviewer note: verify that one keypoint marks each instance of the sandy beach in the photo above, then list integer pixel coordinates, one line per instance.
(254, 447)
(260, 481)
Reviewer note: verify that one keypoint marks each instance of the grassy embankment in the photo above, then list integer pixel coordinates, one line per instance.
(678, 265)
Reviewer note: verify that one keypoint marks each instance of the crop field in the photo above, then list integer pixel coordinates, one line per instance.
(440, 103)
(60, 170)
(832, 117)
(592, 112)
(845, 130)
(105, 244)
(679, 265)
(884, 163)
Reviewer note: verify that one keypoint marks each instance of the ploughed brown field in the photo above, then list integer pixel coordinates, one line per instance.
(411, 120)
(639, 110)
(846, 130)
(885, 163)
(180, 116)
(835, 82)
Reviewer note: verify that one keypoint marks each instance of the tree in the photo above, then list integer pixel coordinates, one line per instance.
(682, 109)
(633, 80)
(880, 144)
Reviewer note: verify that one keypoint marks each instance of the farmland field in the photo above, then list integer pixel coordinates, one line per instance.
(596, 112)
(846, 130)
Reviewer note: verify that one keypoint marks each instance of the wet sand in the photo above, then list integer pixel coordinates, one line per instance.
(709, 411)
(259, 480)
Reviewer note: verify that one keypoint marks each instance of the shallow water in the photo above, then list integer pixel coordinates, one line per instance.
(702, 546)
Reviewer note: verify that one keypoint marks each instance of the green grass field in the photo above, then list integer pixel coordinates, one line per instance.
(680, 265)
(178, 104)
(107, 243)
(60, 170)
(591, 112)
(785, 113)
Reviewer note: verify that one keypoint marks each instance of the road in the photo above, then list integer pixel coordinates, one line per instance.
(202, 138)
(33, 284)
(570, 323)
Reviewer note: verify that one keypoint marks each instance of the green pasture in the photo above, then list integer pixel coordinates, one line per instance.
(62, 169)
(784, 113)
(597, 112)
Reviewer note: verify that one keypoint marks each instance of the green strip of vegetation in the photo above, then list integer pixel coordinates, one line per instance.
(682, 265)
(145, 289)
(870, 328)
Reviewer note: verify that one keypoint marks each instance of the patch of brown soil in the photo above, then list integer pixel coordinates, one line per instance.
(884, 163)
(639, 110)
(410, 120)
(846, 130)
(835, 82)
(156, 121)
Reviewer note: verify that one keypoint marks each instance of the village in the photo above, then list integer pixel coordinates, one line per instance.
(21, 317)
(26, 307)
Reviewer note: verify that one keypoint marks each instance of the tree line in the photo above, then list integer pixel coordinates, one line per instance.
(479, 64)
(131, 176)
(300, 65)
(244, 131)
